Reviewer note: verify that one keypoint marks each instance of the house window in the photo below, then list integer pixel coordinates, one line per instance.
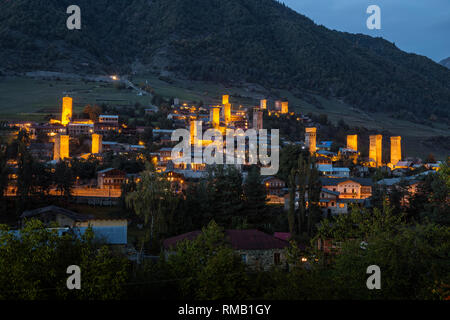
(244, 258)
(276, 258)
(345, 190)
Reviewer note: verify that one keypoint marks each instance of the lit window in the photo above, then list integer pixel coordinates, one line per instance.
(244, 258)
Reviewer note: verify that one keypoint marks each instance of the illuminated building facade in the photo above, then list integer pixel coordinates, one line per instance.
(263, 104)
(225, 99)
(375, 150)
(97, 143)
(227, 113)
(285, 107)
(396, 150)
(66, 110)
(215, 117)
(61, 147)
(310, 139)
(352, 142)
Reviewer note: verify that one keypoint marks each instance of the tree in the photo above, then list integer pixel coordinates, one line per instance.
(92, 112)
(430, 158)
(34, 260)
(64, 179)
(208, 268)
(225, 194)
(289, 159)
(360, 224)
(314, 189)
(301, 181)
(431, 200)
(413, 263)
(292, 193)
(4, 171)
(24, 176)
(254, 195)
(154, 202)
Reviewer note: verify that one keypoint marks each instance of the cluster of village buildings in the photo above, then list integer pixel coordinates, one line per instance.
(340, 187)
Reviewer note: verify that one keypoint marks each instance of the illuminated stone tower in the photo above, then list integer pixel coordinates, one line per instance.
(352, 142)
(227, 113)
(257, 119)
(396, 150)
(225, 99)
(215, 117)
(64, 147)
(66, 110)
(310, 139)
(193, 131)
(56, 149)
(263, 104)
(61, 147)
(375, 152)
(97, 143)
(284, 107)
(278, 105)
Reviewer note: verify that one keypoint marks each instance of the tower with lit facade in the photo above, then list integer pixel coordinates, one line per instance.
(310, 139)
(396, 150)
(97, 143)
(66, 115)
(375, 149)
(285, 107)
(352, 142)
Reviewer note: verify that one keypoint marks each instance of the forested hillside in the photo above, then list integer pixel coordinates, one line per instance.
(258, 41)
(446, 62)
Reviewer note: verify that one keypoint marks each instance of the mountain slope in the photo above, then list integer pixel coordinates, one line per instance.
(446, 62)
(259, 41)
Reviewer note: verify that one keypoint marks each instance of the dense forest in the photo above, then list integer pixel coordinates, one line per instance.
(258, 41)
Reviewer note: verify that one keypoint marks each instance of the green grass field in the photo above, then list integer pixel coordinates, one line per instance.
(23, 98)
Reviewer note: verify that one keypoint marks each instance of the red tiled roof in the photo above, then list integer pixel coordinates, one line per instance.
(238, 239)
(282, 235)
(172, 242)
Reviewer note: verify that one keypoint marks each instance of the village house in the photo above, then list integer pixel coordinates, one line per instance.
(77, 129)
(338, 194)
(48, 129)
(41, 151)
(106, 127)
(110, 178)
(349, 188)
(275, 189)
(112, 231)
(258, 250)
(108, 119)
